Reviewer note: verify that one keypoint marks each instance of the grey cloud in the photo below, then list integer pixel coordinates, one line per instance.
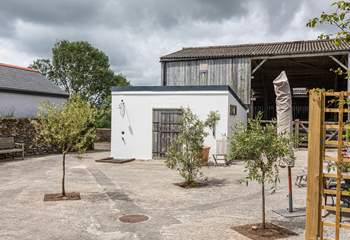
(281, 13)
(134, 33)
(51, 11)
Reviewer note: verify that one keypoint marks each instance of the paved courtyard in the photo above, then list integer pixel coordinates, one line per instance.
(111, 190)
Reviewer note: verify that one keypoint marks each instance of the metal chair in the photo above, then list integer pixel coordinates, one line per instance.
(221, 151)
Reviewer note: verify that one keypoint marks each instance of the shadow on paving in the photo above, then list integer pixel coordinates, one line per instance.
(122, 202)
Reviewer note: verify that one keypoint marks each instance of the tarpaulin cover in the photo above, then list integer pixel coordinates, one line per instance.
(284, 110)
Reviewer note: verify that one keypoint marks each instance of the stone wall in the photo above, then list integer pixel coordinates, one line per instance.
(23, 132)
(103, 135)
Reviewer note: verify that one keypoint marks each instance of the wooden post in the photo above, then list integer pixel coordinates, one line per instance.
(348, 83)
(315, 135)
(348, 74)
(340, 160)
(296, 133)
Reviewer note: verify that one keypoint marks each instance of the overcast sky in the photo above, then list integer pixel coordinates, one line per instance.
(135, 33)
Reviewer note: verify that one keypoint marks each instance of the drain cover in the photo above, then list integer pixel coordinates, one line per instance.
(133, 218)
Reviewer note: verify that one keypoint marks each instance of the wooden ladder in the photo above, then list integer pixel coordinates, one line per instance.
(317, 158)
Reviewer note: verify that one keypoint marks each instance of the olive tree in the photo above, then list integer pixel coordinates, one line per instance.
(261, 148)
(68, 127)
(185, 152)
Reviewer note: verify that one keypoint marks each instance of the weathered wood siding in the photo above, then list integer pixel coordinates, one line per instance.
(235, 72)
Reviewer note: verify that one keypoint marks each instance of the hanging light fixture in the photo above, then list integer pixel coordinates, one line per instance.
(122, 108)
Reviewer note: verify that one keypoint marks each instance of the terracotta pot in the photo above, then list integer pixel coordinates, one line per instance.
(205, 156)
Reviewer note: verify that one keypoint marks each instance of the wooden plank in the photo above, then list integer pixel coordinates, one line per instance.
(334, 209)
(331, 94)
(334, 126)
(334, 192)
(331, 224)
(331, 126)
(7, 142)
(339, 62)
(296, 132)
(331, 142)
(313, 201)
(259, 65)
(336, 110)
(330, 158)
(332, 175)
(336, 142)
(338, 179)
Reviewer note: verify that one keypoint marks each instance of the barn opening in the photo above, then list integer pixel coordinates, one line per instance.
(303, 73)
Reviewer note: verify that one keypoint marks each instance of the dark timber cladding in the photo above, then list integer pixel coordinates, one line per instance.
(249, 70)
(232, 72)
(165, 130)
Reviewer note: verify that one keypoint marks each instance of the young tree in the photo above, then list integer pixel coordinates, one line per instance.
(260, 147)
(185, 152)
(70, 127)
(79, 68)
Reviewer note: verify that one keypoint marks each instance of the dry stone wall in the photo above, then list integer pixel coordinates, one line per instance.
(23, 132)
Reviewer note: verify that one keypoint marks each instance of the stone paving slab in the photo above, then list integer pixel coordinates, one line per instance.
(110, 190)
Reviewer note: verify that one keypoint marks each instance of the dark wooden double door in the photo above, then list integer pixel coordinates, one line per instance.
(165, 130)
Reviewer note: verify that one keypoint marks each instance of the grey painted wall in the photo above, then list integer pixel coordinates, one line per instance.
(23, 105)
(235, 72)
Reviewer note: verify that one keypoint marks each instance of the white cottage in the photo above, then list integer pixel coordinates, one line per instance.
(144, 118)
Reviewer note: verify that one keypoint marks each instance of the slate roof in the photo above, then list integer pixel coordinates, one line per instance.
(27, 81)
(258, 50)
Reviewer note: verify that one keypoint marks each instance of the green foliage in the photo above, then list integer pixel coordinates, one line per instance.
(104, 118)
(261, 148)
(185, 152)
(212, 119)
(70, 127)
(339, 19)
(79, 68)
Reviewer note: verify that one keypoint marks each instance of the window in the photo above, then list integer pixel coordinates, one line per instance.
(203, 67)
(203, 73)
(233, 110)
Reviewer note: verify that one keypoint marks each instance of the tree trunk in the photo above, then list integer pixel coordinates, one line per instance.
(263, 203)
(63, 174)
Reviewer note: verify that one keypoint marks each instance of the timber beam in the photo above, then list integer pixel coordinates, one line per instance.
(339, 62)
(259, 65)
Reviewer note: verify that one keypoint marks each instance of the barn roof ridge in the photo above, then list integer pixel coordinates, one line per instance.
(258, 49)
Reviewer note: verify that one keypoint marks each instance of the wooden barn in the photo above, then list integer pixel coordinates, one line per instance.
(249, 70)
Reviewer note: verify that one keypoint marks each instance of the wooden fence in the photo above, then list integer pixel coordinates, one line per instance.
(301, 130)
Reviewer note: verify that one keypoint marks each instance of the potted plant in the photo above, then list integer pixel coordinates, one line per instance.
(211, 122)
(212, 119)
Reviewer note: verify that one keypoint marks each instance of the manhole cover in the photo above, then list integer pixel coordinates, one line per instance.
(133, 218)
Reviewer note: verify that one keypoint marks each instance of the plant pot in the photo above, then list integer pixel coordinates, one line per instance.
(205, 156)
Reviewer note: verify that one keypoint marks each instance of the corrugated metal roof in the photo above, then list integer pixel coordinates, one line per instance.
(20, 79)
(258, 50)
